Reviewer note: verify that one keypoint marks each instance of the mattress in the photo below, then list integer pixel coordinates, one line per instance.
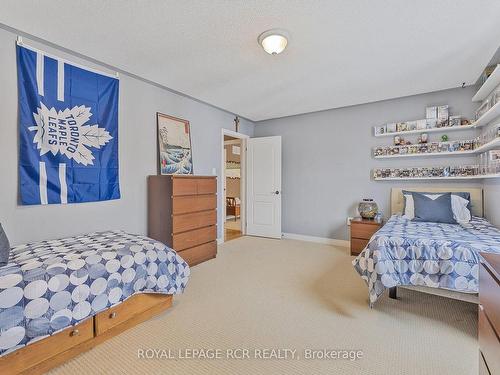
(405, 252)
(50, 285)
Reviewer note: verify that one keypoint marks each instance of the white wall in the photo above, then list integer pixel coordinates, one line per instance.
(139, 102)
(492, 192)
(327, 159)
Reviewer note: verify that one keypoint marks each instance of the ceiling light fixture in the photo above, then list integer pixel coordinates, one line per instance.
(273, 41)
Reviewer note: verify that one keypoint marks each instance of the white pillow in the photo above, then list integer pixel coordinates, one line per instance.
(461, 213)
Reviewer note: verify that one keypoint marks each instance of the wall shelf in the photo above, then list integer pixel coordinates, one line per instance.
(432, 130)
(486, 118)
(488, 85)
(476, 177)
(486, 147)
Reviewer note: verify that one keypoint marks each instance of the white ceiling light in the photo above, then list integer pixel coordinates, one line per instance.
(273, 41)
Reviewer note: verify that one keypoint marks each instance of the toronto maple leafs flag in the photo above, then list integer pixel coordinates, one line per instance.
(68, 131)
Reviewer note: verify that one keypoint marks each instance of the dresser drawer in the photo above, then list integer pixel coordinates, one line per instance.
(199, 253)
(127, 310)
(194, 203)
(488, 343)
(40, 351)
(193, 186)
(357, 245)
(193, 238)
(363, 231)
(489, 296)
(185, 222)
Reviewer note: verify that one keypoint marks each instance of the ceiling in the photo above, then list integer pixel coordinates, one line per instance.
(340, 52)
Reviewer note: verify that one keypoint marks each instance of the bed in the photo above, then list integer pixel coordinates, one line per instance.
(438, 258)
(64, 293)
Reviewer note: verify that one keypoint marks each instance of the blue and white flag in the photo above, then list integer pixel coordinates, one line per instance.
(68, 131)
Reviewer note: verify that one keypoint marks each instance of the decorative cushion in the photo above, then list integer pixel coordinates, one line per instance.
(460, 205)
(436, 209)
(4, 247)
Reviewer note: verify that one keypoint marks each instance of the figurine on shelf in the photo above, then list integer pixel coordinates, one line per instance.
(444, 138)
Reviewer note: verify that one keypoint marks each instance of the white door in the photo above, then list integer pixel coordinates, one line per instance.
(264, 187)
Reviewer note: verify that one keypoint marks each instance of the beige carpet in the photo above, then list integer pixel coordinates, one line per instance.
(262, 293)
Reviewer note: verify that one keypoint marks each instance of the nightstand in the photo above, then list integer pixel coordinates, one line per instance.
(361, 232)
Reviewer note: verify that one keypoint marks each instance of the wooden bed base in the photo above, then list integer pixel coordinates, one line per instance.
(54, 350)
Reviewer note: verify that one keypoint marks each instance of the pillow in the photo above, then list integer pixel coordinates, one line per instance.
(435, 209)
(4, 247)
(460, 205)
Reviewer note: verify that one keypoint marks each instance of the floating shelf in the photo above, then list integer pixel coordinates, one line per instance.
(486, 118)
(488, 85)
(477, 177)
(432, 130)
(426, 154)
(486, 147)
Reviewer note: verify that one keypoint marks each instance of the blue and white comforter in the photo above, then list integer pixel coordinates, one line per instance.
(50, 285)
(405, 252)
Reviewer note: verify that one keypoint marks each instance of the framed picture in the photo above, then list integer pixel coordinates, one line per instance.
(174, 145)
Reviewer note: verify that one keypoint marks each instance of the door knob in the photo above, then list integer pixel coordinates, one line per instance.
(277, 192)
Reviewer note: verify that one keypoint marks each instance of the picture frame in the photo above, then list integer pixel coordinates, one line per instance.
(173, 145)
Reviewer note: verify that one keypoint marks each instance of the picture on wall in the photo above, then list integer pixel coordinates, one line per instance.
(174, 145)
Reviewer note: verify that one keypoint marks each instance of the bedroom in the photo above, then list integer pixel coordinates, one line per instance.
(363, 101)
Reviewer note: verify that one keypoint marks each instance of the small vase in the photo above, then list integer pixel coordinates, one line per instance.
(368, 209)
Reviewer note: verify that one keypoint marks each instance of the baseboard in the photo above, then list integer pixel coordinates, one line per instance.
(323, 240)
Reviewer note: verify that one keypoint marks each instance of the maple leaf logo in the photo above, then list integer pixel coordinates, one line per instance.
(66, 132)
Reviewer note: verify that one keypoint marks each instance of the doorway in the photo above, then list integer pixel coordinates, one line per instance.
(233, 176)
(232, 151)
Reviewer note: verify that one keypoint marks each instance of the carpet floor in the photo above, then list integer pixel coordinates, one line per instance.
(269, 294)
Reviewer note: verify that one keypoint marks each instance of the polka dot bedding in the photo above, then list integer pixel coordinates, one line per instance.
(405, 252)
(51, 285)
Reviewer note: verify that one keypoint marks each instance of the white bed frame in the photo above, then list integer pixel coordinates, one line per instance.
(477, 202)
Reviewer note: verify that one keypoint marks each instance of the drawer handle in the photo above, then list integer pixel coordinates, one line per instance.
(74, 333)
(112, 315)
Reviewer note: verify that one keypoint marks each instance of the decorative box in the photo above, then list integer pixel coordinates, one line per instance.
(379, 130)
(455, 120)
(443, 112)
(431, 123)
(421, 124)
(431, 112)
(391, 127)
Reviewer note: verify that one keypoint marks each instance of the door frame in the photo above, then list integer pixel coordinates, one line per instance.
(243, 180)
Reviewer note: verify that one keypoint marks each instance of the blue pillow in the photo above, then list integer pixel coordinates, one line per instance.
(433, 210)
(464, 195)
(4, 247)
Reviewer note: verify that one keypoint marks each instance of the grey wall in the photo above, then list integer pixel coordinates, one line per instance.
(327, 159)
(139, 102)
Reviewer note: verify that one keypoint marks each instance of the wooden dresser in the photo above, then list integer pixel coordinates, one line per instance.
(361, 232)
(182, 213)
(489, 314)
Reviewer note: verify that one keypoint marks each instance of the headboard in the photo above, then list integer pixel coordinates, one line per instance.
(476, 197)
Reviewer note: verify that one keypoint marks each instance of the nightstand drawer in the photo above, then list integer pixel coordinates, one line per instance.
(363, 231)
(358, 245)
